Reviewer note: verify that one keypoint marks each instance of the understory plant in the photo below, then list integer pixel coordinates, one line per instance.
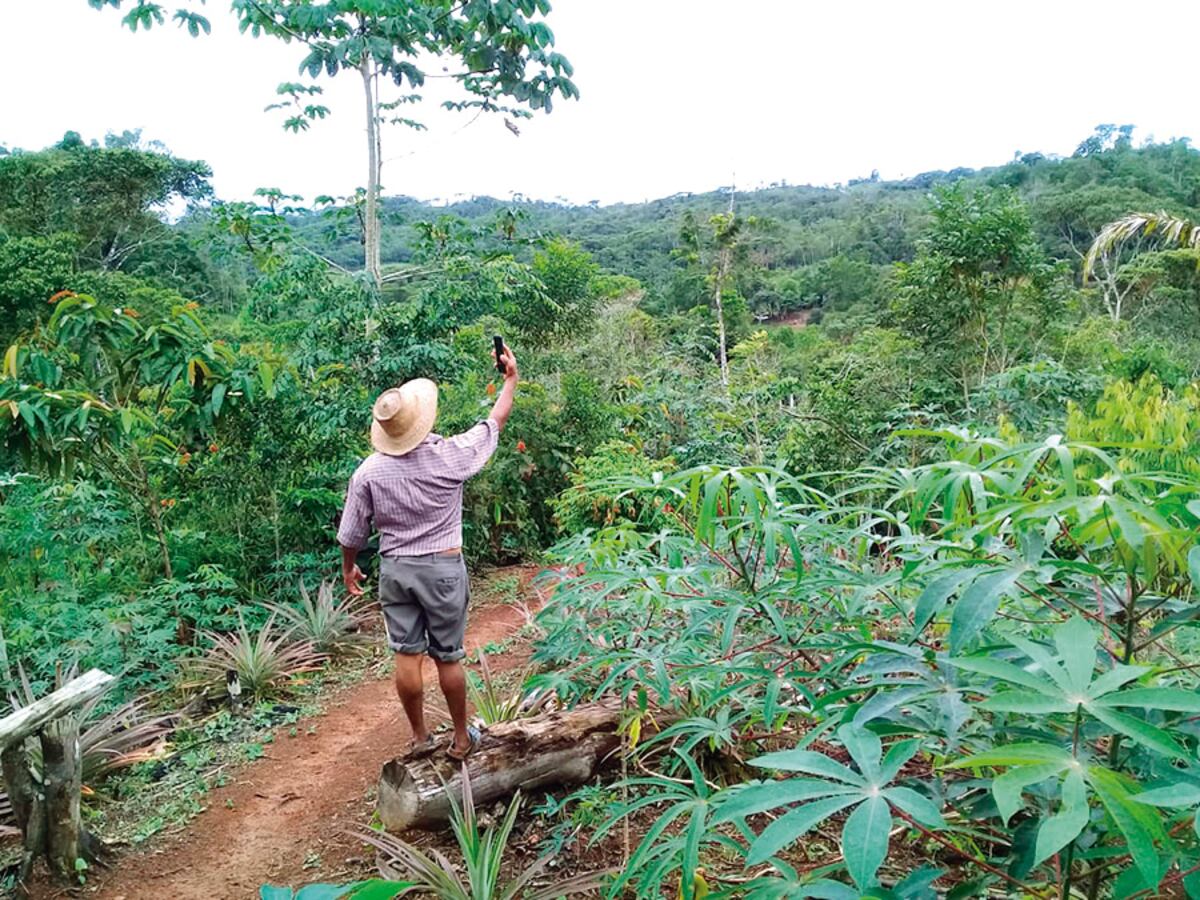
(261, 661)
(483, 850)
(493, 702)
(331, 625)
(983, 661)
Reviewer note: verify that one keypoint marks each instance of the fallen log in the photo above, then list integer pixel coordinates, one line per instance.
(557, 748)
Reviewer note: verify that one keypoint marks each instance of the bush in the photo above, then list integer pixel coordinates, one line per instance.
(592, 500)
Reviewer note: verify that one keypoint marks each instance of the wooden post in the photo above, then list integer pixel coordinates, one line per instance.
(62, 774)
(47, 812)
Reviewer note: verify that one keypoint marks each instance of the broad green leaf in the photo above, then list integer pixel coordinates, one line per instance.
(864, 748)
(978, 604)
(1027, 702)
(1170, 699)
(898, 754)
(756, 798)
(1021, 754)
(790, 827)
(1193, 557)
(1066, 824)
(809, 762)
(1003, 671)
(1182, 793)
(218, 398)
(1144, 733)
(1114, 678)
(1129, 528)
(1076, 643)
(916, 805)
(865, 840)
(1007, 788)
(377, 889)
(1045, 661)
(935, 595)
(1138, 823)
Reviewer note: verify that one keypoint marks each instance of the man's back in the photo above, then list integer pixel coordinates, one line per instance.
(415, 500)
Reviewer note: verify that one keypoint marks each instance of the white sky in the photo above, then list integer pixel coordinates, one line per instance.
(676, 94)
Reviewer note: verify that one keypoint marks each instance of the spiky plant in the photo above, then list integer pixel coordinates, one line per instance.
(495, 704)
(482, 852)
(1163, 227)
(262, 662)
(122, 737)
(331, 625)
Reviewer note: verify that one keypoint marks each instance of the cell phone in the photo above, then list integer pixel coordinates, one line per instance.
(498, 346)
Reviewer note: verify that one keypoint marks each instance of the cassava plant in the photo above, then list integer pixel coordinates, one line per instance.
(1008, 623)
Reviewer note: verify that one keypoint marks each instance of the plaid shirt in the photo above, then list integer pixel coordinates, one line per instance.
(415, 500)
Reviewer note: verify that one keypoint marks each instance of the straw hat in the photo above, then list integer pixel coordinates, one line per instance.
(403, 416)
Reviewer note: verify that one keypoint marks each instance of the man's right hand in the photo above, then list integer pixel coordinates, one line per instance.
(353, 577)
(510, 363)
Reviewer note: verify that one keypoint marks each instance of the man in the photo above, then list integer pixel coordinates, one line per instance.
(411, 488)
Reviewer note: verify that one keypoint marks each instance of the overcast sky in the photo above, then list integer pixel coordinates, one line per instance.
(677, 95)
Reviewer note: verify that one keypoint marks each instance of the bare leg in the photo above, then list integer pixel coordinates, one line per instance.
(453, 680)
(410, 688)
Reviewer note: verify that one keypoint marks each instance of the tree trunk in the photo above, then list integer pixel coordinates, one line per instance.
(371, 215)
(722, 274)
(559, 748)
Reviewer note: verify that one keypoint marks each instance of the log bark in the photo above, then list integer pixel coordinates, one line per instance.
(28, 804)
(559, 748)
(62, 779)
(31, 719)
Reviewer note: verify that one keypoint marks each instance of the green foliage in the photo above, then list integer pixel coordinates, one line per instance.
(770, 610)
(588, 503)
(105, 197)
(979, 280)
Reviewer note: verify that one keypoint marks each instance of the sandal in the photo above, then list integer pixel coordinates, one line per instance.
(416, 749)
(475, 736)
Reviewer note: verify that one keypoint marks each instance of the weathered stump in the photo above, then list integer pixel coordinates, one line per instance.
(47, 808)
(558, 748)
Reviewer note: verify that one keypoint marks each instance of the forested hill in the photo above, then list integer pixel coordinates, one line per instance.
(868, 220)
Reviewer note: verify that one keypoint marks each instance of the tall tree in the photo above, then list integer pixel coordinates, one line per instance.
(498, 52)
(109, 197)
(976, 295)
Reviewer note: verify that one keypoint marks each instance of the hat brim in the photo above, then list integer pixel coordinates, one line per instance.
(398, 445)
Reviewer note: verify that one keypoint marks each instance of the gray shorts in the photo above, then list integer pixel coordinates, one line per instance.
(424, 600)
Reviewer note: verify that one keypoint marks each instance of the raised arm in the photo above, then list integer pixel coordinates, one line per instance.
(504, 402)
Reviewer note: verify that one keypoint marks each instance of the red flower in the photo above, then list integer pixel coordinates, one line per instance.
(60, 295)
(213, 448)
(491, 389)
(520, 446)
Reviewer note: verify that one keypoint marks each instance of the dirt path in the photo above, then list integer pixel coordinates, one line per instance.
(282, 819)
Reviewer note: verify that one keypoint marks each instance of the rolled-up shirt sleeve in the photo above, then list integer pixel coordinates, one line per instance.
(473, 448)
(355, 527)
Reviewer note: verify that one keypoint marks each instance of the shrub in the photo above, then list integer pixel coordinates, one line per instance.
(594, 498)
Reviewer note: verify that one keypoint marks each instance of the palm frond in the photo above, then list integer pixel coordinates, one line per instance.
(1162, 226)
